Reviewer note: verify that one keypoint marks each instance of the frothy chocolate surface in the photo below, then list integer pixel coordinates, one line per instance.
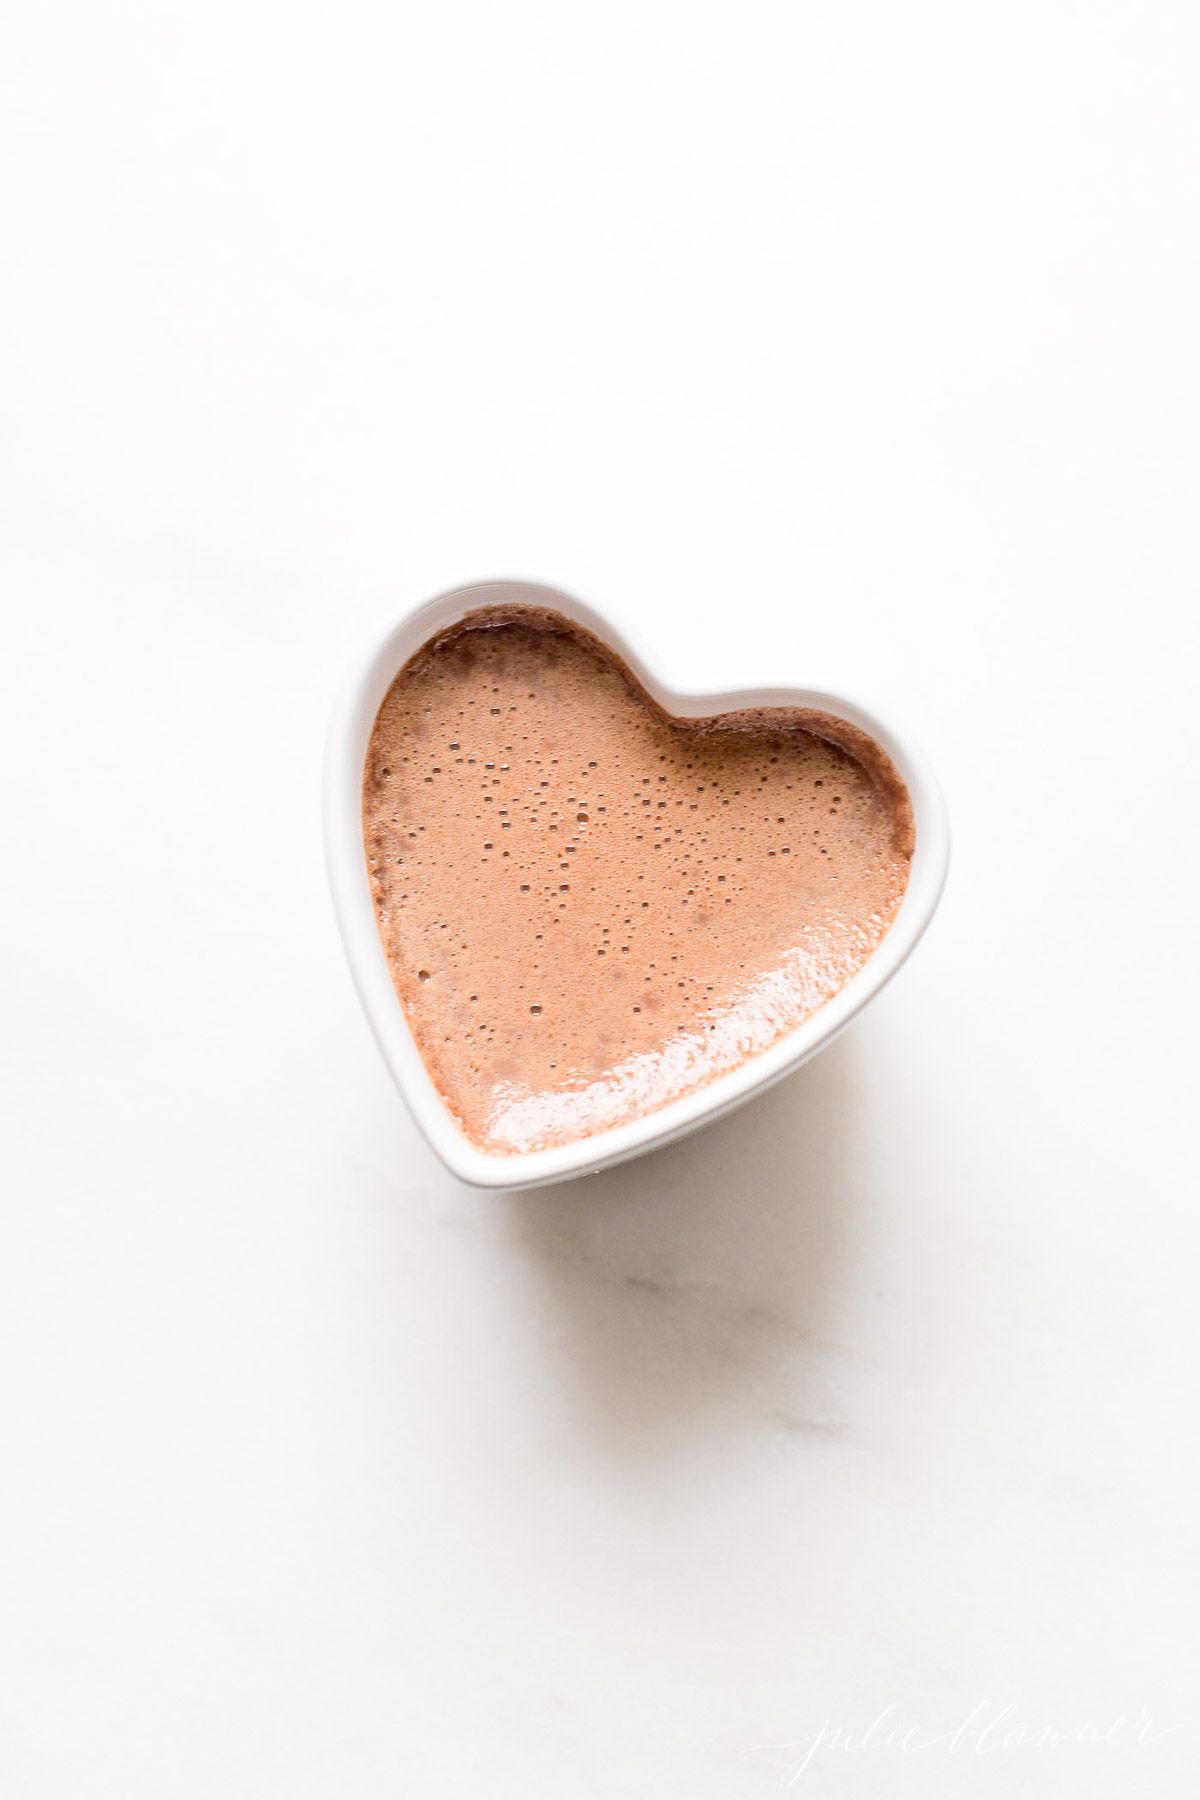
(590, 908)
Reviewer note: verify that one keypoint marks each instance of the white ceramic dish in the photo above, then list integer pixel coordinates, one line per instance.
(350, 730)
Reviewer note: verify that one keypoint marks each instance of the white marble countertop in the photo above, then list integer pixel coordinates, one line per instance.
(850, 1445)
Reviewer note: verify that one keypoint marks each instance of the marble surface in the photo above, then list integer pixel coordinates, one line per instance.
(849, 1446)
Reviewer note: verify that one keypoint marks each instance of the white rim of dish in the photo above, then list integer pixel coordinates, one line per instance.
(349, 733)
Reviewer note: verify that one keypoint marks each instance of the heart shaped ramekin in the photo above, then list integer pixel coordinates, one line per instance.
(350, 730)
